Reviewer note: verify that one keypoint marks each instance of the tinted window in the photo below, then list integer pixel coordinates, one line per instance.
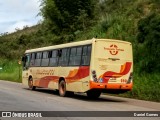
(53, 58)
(32, 62)
(45, 55)
(54, 53)
(64, 57)
(38, 59)
(26, 61)
(73, 52)
(38, 56)
(79, 50)
(84, 50)
(86, 55)
(45, 58)
(75, 56)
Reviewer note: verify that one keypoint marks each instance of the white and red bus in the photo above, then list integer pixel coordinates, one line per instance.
(92, 66)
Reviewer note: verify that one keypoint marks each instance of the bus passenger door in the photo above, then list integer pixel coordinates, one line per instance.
(25, 69)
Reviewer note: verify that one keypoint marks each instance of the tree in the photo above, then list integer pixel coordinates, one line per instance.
(149, 36)
(68, 16)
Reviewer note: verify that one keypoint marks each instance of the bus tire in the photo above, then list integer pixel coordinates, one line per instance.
(30, 84)
(93, 94)
(62, 88)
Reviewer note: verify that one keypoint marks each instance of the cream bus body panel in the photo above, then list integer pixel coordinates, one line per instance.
(112, 61)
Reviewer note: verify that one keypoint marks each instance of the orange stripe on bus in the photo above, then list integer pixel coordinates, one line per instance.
(122, 68)
(72, 73)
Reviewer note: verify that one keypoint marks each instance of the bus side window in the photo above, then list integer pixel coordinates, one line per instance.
(60, 53)
(53, 58)
(38, 59)
(72, 56)
(45, 58)
(32, 59)
(86, 55)
(78, 56)
(64, 57)
(75, 56)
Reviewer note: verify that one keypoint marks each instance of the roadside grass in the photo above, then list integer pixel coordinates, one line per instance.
(145, 87)
(11, 71)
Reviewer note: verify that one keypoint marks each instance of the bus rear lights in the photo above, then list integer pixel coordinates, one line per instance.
(95, 79)
(93, 72)
(94, 76)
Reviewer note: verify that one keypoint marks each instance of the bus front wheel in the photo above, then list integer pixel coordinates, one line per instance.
(30, 84)
(93, 94)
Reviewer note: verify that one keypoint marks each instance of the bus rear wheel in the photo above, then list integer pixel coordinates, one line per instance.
(30, 84)
(62, 88)
(93, 94)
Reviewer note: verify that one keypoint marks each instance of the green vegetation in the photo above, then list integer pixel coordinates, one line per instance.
(146, 87)
(149, 37)
(68, 16)
(65, 21)
(11, 71)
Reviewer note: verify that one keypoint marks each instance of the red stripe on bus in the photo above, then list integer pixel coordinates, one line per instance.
(109, 74)
(44, 82)
(80, 74)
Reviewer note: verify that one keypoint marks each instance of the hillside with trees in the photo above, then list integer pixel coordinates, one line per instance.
(136, 21)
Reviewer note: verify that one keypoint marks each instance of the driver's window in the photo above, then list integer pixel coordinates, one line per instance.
(26, 61)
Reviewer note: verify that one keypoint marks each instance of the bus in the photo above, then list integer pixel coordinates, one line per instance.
(90, 66)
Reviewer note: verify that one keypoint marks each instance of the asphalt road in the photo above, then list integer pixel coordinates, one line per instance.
(15, 97)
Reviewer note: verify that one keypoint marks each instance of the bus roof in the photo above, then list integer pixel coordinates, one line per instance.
(78, 43)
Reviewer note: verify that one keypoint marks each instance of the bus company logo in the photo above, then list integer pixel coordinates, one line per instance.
(113, 49)
(45, 72)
